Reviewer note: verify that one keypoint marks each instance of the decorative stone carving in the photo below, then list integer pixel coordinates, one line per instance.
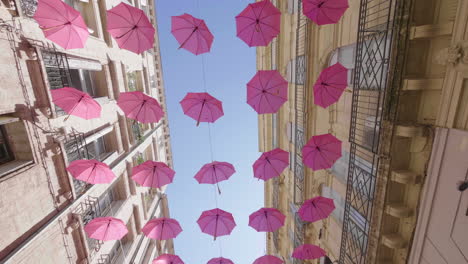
(454, 55)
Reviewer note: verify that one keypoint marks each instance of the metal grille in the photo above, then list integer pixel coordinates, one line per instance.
(298, 235)
(276, 205)
(58, 72)
(76, 149)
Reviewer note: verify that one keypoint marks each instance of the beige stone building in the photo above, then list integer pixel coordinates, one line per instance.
(403, 121)
(43, 208)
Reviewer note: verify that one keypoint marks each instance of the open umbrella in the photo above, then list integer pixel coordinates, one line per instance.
(162, 228)
(75, 102)
(266, 220)
(324, 12)
(330, 85)
(316, 209)
(271, 164)
(106, 228)
(192, 34)
(308, 251)
(202, 107)
(61, 23)
(216, 222)
(321, 152)
(91, 171)
(167, 259)
(220, 261)
(140, 107)
(258, 23)
(215, 172)
(153, 174)
(267, 92)
(268, 259)
(130, 27)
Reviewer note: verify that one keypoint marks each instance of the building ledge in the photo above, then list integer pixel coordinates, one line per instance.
(405, 177)
(399, 210)
(394, 241)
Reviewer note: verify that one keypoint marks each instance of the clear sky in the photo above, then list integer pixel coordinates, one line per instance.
(228, 67)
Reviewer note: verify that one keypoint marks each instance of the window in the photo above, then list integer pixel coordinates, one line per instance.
(296, 70)
(340, 168)
(5, 152)
(82, 80)
(346, 56)
(274, 128)
(293, 6)
(338, 213)
(134, 81)
(15, 148)
(86, 8)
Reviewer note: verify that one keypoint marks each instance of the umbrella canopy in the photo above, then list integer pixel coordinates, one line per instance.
(77, 103)
(202, 107)
(271, 164)
(215, 172)
(216, 222)
(91, 171)
(268, 259)
(192, 34)
(321, 152)
(324, 12)
(258, 23)
(168, 259)
(308, 251)
(316, 209)
(330, 85)
(130, 27)
(106, 228)
(266, 220)
(140, 107)
(162, 228)
(220, 261)
(153, 174)
(61, 23)
(267, 92)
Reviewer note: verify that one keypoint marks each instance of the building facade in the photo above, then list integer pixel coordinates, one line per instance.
(403, 120)
(44, 208)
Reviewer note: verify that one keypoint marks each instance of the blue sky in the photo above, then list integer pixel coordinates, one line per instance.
(228, 67)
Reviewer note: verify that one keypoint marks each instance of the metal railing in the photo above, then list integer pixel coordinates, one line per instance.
(76, 149)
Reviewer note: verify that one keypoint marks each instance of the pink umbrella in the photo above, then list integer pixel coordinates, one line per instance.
(153, 174)
(271, 164)
(220, 261)
(330, 85)
(215, 172)
(266, 220)
(192, 34)
(91, 171)
(308, 251)
(140, 107)
(202, 107)
(316, 209)
(216, 222)
(168, 259)
(268, 259)
(130, 27)
(321, 152)
(162, 228)
(267, 92)
(61, 23)
(258, 23)
(324, 12)
(106, 228)
(75, 102)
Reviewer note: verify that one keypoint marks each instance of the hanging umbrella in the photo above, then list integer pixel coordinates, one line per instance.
(220, 261)
(258, 23)
(308, 251)
(140, 107)
(130, 27)
(91, 171)
(324, 12)
(216, 222)
(106, 228)
(215, 172)
(153, 174)
(271, 164)
(75, 102)
(202, 107)
(168, 259)
(268, 259)
(316, 209)
(321, 152)
(61, 23)
(267, 92)
(330, 85)
(192, 34)
(162, 228)
(266, 220)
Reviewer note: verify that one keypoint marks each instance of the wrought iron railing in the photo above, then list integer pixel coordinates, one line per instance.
(298, 235)
(57, 71)
(76, 149)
